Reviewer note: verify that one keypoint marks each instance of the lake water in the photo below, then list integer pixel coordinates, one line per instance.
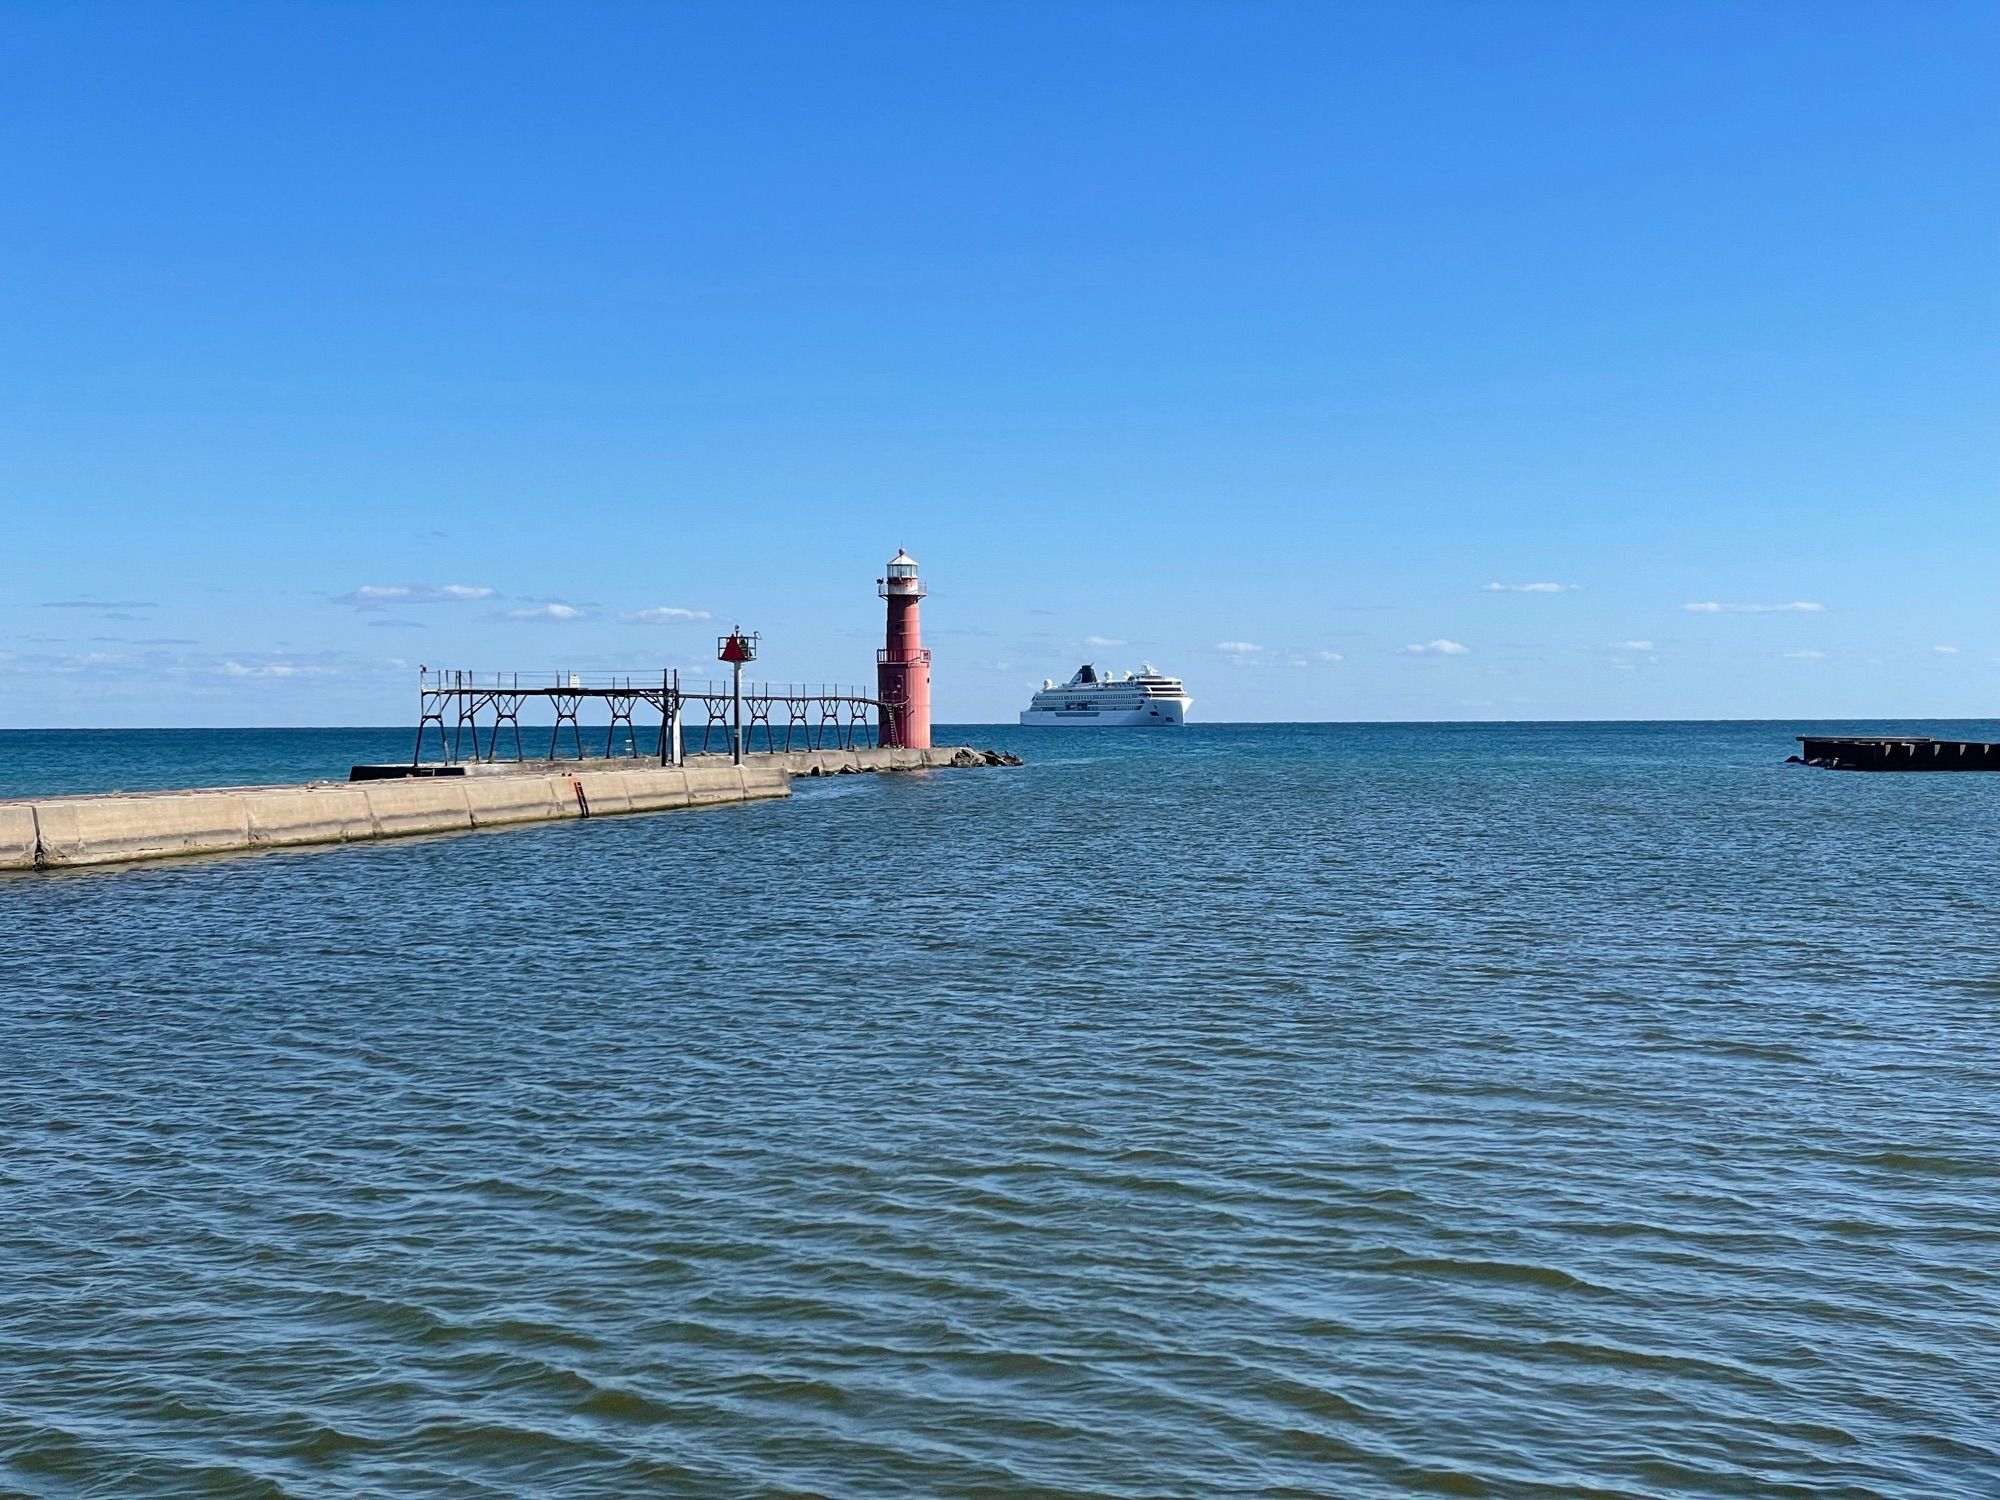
(1318, 1110)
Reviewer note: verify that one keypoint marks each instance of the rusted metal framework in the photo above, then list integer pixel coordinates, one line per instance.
(479, 705)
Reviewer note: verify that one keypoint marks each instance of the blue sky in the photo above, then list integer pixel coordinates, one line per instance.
(1260, 341)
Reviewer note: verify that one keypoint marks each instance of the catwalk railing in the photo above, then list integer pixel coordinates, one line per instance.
(487, 707)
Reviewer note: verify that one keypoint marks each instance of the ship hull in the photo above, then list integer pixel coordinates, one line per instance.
(1159, 713)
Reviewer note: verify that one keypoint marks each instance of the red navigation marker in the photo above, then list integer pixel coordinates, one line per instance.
(737, 647)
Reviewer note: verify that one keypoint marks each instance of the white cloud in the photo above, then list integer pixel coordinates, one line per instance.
(1798, 607)
(1631, 645)
(1945, 650)
(665, 614)
(1238, 648)
(1531, 588)
(551, 611)
(378, 595)
(270, 669)
(1101, 640)
(1804, 655)
(1331, 656)
(1438, 647)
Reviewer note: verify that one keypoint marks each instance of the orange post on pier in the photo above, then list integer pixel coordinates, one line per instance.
(903, 666)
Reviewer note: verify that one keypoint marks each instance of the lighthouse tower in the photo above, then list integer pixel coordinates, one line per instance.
(903, 666)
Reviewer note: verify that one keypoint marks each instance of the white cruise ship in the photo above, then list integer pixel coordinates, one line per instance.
(1144, 697)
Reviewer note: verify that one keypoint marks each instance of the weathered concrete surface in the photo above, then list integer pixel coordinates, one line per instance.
(54, 832)
(310, 815)
(57, 832)
(496, 801)
(606, 792)
(100, 830)
(405, 807)
(18, 836)
(720, 783)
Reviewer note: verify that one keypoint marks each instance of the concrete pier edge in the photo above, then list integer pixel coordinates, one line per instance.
(47, 833)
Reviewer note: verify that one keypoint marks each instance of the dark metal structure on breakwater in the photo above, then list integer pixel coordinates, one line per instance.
(484, 707)
(1895, 752)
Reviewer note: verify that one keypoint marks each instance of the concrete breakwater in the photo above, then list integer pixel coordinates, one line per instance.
(114, 828)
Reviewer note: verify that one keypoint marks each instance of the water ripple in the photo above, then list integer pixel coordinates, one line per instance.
(1358, 1111)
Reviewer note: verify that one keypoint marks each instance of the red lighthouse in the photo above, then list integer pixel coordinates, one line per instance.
(903, 666)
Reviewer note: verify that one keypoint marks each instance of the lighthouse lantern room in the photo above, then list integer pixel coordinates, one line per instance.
(903, 666)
